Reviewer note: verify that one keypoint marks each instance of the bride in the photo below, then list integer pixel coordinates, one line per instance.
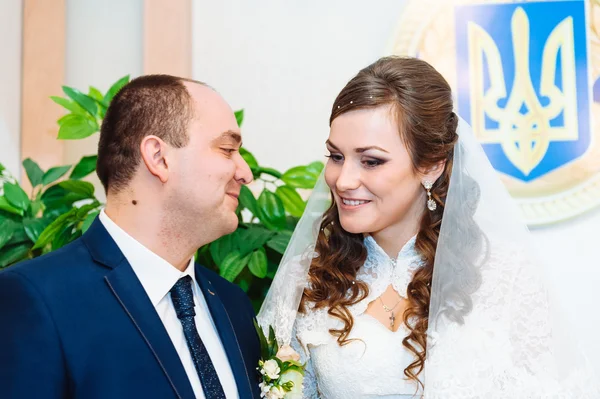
(409, 274)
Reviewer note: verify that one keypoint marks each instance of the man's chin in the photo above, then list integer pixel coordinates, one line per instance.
(230, 224)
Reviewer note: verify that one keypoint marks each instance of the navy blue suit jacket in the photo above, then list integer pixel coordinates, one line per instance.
(77, 323)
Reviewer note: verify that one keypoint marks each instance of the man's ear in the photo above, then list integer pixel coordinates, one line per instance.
(434, 172)
(153, 151)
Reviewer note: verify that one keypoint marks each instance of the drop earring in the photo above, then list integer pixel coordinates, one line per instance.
(430, 201)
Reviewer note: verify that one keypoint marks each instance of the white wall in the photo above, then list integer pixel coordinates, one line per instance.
(571, 252)
(104, 43)
(285, 62)
(10, 84)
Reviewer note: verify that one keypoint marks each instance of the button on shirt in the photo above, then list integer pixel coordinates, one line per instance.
(157, 277)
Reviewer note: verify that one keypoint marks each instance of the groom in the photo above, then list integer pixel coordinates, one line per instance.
(123, 312)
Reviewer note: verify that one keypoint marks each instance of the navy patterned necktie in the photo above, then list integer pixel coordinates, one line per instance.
(183, 301)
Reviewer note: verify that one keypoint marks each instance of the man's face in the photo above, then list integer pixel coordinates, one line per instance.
(206, 175)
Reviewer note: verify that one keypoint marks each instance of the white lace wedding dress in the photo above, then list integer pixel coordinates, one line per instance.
(373, 365)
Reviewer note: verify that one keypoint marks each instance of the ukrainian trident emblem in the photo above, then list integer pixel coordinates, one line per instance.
(546, 102)
(521, 73)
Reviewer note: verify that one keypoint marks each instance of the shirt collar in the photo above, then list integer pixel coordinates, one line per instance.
(156, 274)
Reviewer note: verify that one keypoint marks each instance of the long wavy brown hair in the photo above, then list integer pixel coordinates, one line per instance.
(422, 101)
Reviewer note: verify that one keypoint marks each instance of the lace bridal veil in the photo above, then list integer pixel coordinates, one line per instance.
(493, 331)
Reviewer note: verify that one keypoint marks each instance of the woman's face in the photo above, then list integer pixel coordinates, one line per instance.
(371, 175)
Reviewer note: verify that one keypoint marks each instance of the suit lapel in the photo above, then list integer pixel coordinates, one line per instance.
(227, 334)
(131, 295)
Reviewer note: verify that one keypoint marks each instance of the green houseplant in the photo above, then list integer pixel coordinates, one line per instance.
(59, 209)
(54, 214)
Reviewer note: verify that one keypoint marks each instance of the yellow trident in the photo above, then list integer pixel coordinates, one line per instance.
(524, 137)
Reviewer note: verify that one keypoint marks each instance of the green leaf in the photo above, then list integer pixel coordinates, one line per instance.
(13, 254)
(252, 238)
(258, 263)
(75, 127)
(6, 231)
(315, 168)
(53, 213)
(271, 211)
(239, 117)
(64, 118)
(84, 101)
(204, 257)
(34, 172)
(85, 166)
(53, 174)
(269, 171)
(65, 236)
(95, 94)
(293, 366)
(88, 221)
(300, 177)
(19, 236)
(220, 248)
(292, 201)
(36, 207)
(271, 334)
(249, 158)
(69, 105)
(248, 201)
(264, 347)
(101, 112)
(84, 210)
(273, 346)
(6, 206)
(69, 230)
(2, 168)
(54, 228)
(114, 89)
(280, 241)
(57, 200)
(232, 265)
(84, 188)
(34, 227)
(53, 194)
(15, 195)
(244, 281)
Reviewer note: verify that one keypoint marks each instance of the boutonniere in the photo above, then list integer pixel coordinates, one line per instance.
(281, 372)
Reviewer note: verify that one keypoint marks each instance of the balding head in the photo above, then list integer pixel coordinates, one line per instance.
(159, 105)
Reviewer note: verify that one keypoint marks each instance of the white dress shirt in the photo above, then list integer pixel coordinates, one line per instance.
(158, 277)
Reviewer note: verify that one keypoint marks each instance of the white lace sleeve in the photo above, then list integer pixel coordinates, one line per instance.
(309, 390)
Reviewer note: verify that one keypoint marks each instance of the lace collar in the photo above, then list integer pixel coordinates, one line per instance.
(379, 270)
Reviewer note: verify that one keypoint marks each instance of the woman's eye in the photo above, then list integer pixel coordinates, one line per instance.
(229, 150)
(335, 157)
(371, 163)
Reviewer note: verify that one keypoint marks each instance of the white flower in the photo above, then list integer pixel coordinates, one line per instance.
(271, 369)
(295, 377)
(264, 389)
(286, 353)
(276, 393)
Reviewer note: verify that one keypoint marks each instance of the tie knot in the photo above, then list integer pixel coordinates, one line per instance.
(183, 297)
